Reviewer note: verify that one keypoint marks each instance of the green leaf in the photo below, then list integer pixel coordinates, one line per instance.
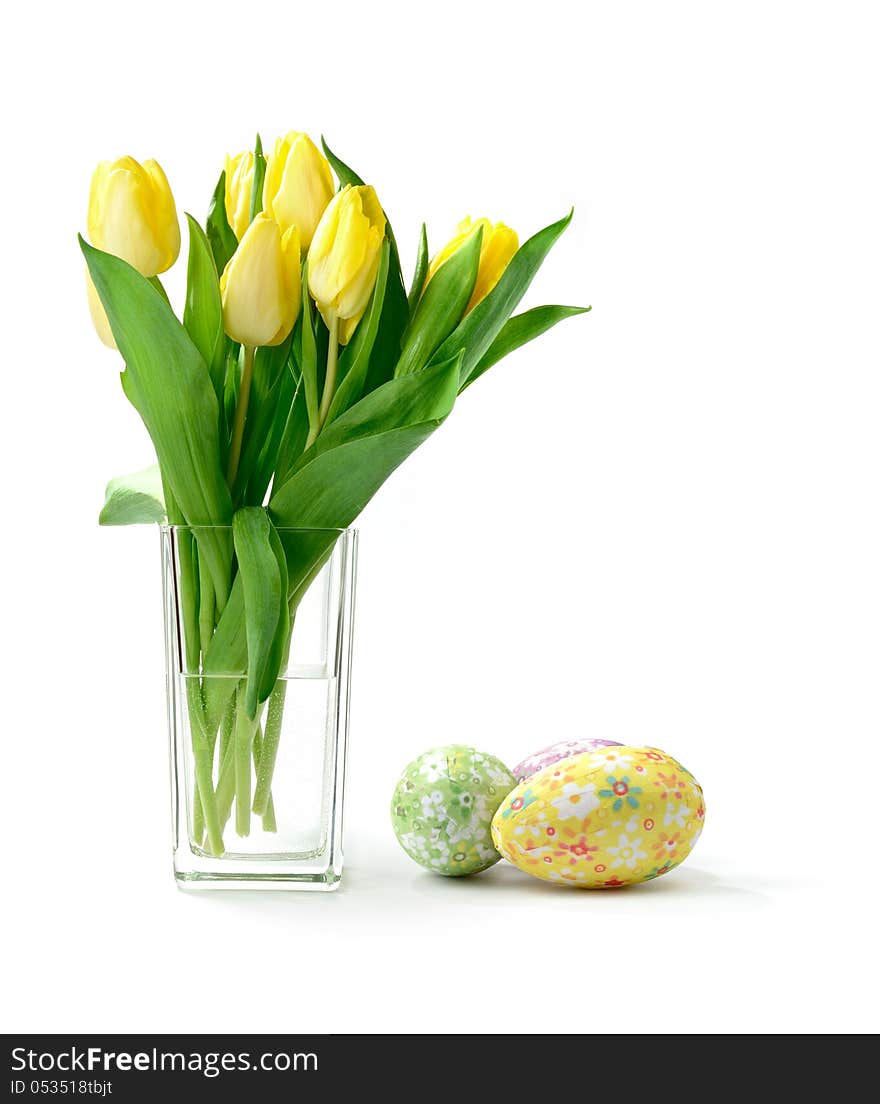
(160, 287)
(441, 306)
(421, 271)
(134, 499)
(334, 479)
(168, 383)
(280, 643)
(355, 359)
(343, 172)
(395, 315)
(294, 435)
(259, 177)
(234, 354)
(269, 371)
(482, 325)
(519, 330)
(220, 235)
(202, 312)
(263, 436)
(263, 599)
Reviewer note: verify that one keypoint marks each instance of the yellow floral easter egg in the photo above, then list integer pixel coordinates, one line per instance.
(612, 817)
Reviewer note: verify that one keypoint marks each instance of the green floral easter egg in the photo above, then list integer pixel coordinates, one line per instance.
(443, 806)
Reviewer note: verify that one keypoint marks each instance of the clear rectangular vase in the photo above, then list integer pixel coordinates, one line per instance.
(256, 801)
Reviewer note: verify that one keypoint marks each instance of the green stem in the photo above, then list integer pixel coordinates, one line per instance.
(274, 718)
(206, 794)
(226, 784)
(227, 727)
(203, 762)
(329, 380)
(198, 831)
(206, 631)
(269, 824)
(244, 394)
(266, 767)
(330, 377)
(244, 735)
(225, 790)
(189, 593)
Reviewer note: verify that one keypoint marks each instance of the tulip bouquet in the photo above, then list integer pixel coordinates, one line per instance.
(301, 374)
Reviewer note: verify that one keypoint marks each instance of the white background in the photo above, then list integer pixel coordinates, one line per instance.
(657, 524)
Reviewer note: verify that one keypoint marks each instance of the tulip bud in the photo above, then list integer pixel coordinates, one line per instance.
(260, 288)
(498, 247)
(132, 215)
(239, 182)
(298, 184)
(344, 257)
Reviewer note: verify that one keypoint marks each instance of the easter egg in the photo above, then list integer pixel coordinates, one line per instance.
(562, 749)
(611, 817)
(443, 806)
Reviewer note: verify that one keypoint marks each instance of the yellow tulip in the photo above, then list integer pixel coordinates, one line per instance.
(344, 257)
(260, 287)
(298, 184)
(498, 247)
(239, 184)
(132, 215)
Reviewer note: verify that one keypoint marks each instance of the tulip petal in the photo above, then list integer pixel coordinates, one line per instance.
(238, 185)
(299, 185)
(499, 246)
(355, 361)
(99, 315)
(258, 302)
(164, 213)
(320, 268)
(96, 202)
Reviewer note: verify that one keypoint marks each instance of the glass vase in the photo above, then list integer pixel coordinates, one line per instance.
(256, 801)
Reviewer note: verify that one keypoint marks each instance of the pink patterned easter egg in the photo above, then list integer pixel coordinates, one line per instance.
(562, 749)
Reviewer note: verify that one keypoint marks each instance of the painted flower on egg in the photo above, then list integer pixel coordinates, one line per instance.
(576, 801)
(620, 790)
(627, 852)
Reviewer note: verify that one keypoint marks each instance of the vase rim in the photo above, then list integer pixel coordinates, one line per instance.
(166, 528)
